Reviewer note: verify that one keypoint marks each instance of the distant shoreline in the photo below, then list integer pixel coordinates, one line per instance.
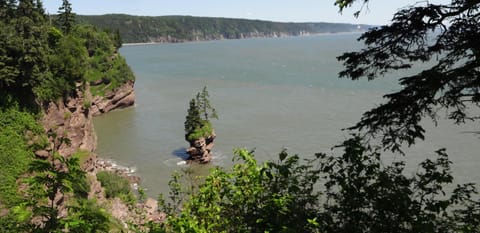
(190, 41)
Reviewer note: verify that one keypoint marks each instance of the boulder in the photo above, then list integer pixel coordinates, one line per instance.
(43, 154)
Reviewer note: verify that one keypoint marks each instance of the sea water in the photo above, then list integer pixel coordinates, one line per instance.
(270, 94)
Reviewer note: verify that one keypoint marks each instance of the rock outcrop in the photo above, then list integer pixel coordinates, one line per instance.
(121, 97)
(72, 119)
(200, 149)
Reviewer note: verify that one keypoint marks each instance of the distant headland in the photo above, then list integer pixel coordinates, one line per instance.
(177, 29)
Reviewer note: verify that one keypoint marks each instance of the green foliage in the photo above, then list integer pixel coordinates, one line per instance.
(107, 69)
(353, 192)
(342, 4)
(193, 119)
(272, 197)
(23, 53)
(66, 18)
(17, 220)
(68, 64)
(204, 106)
(204, 130)
(364, 195)
(87, 216)
(40, 63)
(116, 186)
(51, 178)
(197, 123)
(19, 134)
(444, 38)
(136, 29)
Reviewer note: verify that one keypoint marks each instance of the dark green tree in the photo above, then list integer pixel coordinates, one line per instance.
(23, 54)
(204, 106)
(193, 120)
(445, 36)
(363, 194)
(197, 123)
(68, 65)
(117, 39)
(7, 9)
(66, 18)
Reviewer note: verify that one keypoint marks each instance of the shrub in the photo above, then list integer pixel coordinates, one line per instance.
(204, 131)
(116, 186)
(15, 152)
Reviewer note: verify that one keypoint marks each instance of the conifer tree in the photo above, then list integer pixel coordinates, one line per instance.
(204, 105)
(193, 120)
(66, 18)
(7, 8)
(198, 115)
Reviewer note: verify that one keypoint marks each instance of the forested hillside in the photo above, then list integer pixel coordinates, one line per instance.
(139, 29)
(50, 64)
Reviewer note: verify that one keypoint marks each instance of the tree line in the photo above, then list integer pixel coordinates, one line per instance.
(140, 29)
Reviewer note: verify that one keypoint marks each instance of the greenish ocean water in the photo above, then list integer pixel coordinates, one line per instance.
(270, 94)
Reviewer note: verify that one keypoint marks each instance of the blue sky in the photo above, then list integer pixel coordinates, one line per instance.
(377, 12)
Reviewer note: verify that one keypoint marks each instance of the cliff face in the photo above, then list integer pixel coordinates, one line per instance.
(121, 97)
(72, 119)
(200, 36)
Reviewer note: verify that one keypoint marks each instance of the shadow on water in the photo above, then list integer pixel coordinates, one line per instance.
(181, 153)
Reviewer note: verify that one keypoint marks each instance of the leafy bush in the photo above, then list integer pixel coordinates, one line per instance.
(87, 216)
(116, 186)
(272, 197)
(353, 192)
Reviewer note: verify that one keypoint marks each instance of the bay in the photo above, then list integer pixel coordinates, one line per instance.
(270, 93)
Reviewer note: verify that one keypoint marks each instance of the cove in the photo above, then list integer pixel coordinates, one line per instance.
(270, 94)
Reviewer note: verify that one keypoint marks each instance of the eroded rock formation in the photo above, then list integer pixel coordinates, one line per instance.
(121, 97)
(72, 119)
(200, 149)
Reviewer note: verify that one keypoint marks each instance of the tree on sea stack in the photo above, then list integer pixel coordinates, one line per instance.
(198, 128)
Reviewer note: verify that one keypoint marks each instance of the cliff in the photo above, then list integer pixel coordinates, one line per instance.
(73, 119)
(121, 97)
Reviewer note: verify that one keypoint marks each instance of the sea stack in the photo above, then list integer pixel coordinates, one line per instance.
(199, 132)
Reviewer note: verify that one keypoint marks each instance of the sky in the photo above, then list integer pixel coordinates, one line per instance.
(377, 12)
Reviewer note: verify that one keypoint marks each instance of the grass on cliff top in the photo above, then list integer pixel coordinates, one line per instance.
(205, 131)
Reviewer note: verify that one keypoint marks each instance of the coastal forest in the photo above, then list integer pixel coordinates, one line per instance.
(44, 64)
(57, 72)
(147, 29)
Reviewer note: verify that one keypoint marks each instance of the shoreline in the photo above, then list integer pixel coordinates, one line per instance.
(287, 36)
